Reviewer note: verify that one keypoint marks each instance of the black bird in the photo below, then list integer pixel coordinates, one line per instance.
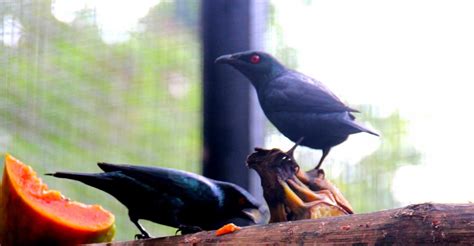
(299, 106)
(171, 197)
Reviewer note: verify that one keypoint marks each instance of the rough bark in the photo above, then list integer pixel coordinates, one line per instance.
(412, 225)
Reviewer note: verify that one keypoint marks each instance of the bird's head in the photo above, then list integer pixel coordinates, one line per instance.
(238, 203)
(257, 66)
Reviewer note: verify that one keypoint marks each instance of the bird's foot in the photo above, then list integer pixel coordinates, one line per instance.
(316, 173)
(187, 229)
(315, 179)
(142, 236)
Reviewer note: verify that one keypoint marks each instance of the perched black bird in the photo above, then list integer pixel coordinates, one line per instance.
(299, 106)
(171, 197)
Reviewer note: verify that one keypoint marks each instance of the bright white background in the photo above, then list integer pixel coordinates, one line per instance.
(413, 56)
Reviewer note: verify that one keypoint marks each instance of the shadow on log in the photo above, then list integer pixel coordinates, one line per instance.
(412, 225)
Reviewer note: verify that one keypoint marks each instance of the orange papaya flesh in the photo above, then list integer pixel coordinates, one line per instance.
(226, 229)
(31, 214)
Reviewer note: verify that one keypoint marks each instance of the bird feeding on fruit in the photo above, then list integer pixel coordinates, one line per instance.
(184, 200)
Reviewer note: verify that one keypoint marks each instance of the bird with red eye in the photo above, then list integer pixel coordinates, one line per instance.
(297, 105)
(254, 59)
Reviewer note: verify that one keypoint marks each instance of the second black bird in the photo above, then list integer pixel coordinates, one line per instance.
(299, 106)
(172, 197)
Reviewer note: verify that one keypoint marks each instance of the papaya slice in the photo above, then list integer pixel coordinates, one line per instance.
(226, 229)
(31, 214)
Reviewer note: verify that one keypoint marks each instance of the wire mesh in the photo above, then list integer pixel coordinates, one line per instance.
(77, 92)
(119, 81)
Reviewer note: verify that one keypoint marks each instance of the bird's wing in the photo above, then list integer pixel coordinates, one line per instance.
(187, 186)
(295, 92)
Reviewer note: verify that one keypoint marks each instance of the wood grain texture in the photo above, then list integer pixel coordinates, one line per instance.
(418, 224)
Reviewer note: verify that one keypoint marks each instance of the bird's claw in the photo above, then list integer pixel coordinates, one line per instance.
(187, 229)
(141, 236)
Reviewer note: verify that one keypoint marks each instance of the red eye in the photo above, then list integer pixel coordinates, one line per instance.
(255, 59)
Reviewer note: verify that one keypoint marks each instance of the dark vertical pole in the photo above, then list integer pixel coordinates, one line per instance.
(227, 106)
(258, 27)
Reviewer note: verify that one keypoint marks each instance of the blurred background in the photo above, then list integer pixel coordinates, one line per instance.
(129, 82)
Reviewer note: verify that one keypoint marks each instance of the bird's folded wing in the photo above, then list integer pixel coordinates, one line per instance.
(299, 93)
(183, 184)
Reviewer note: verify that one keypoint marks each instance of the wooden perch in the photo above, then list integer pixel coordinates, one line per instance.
(415, 224)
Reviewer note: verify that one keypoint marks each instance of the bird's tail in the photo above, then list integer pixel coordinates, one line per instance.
(361, 128)
(97, 180)
(371, 132)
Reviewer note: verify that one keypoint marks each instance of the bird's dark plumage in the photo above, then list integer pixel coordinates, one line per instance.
(172, 197)
(297, 105)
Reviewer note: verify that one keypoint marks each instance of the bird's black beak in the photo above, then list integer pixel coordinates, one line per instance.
(258, 215)
(225, 59)
(252, 214)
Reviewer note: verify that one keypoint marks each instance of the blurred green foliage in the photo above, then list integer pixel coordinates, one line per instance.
(368, 185)
(69, 100)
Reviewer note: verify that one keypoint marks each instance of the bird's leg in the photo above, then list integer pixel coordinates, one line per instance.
(325, 153)
(144, 234)
(292, 150)
(187, 229)
(316, 180)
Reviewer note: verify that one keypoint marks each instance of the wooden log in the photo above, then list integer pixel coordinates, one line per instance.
(418, 224)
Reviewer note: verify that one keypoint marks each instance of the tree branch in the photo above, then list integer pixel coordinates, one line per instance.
(425, 223)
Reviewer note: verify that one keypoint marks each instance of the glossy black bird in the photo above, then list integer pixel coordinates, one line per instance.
(172, 197)
(297, 105)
